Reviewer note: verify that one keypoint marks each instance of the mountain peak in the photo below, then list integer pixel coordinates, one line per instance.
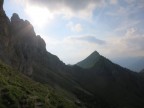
(95, 53)
(90, 60)
(15, 17)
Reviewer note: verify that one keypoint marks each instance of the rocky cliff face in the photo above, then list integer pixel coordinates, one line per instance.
(24, 45)
(4, 23)
(19, 45)
(4, 33)
(29, 51)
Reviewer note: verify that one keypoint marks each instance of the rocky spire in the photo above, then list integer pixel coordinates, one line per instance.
(15, 17)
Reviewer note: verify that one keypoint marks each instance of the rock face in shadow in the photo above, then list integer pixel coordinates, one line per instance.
(24, 45)
(28, 51)
(4, 23)
(4, 33)
(1, 4)
(19, 45)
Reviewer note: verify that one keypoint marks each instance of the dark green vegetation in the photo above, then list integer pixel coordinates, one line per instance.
(95, 82)
(19, 91)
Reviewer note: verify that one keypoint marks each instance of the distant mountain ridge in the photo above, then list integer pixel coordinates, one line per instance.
(133, 63)
(105, 79)
(142, 72)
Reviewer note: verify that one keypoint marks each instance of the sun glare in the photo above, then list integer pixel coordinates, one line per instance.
(39, 16)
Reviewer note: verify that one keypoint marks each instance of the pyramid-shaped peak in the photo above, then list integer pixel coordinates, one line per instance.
(90, 60)
(95, 53)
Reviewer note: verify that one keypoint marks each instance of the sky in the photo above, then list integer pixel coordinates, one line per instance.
(73, 29)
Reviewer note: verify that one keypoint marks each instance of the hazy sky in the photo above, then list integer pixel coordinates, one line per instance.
(73, 29)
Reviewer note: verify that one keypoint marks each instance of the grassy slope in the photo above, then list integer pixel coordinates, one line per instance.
(17, 90)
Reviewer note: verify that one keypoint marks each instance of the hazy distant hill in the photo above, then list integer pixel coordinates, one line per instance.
(135, 64)
(142, 72)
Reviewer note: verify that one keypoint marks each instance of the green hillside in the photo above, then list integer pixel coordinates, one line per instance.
(18, 91)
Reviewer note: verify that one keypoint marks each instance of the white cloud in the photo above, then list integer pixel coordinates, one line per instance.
(113, 2)
(75, 27)
(126, 25)
(129, 1)
(129, 45)
(87, 39)
(68, 8)
(123, 18)
(130, 32)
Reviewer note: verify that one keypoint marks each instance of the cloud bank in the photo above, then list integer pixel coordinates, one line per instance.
(68, 8)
